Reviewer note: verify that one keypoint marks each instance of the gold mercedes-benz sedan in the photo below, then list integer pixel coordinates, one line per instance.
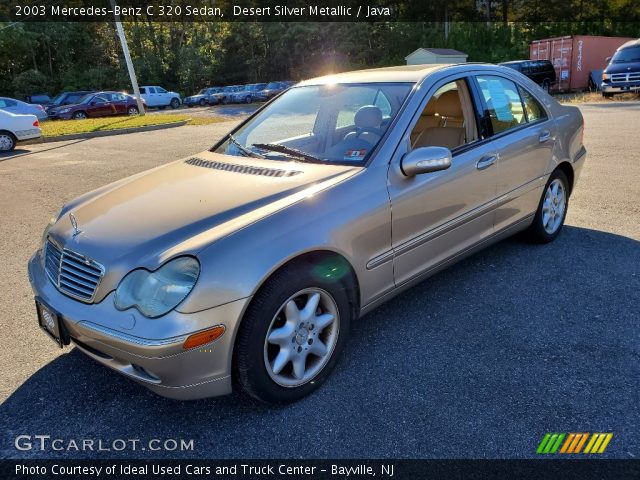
(246, 264)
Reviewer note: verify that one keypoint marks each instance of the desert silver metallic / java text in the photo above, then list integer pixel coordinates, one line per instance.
(553, 206)
(301, 337)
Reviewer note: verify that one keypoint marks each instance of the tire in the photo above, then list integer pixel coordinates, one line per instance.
(203, 102)
(607, 95)
(7, 141)
(279, 306)
(131, 111)
(175, 103)
(546, 227)
(79, 116)
(248, 100)
(546, 85)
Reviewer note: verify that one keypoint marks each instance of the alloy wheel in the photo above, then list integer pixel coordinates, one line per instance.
(301, 337)
(554, 206)
(133, 111)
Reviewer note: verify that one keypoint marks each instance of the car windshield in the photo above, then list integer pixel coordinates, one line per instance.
(628, 55)
(58, 99)
(202, 92)
(336, 123)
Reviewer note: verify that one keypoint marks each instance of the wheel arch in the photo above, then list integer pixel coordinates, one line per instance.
(567, 169)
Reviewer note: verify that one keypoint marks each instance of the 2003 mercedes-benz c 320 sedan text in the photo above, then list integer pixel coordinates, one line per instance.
(248, 262)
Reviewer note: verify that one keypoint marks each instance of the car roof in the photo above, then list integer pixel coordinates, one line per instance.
(402, 73)
(632, 43)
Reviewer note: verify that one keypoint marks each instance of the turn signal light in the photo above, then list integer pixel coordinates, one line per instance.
(204, 337)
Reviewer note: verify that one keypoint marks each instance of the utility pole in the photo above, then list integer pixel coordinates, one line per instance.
(127, 59)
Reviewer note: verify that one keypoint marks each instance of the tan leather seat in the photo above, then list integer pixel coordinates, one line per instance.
(450, 133)
(428, 119)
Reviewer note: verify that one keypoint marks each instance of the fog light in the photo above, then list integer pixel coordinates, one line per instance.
(204, 337)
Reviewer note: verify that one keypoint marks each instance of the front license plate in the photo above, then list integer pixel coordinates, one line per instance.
(49, 321)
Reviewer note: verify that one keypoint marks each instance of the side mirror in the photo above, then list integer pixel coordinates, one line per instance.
(608, 59)
(425, 160)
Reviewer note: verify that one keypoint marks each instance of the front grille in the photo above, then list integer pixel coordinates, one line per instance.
(73, 274)
(625, 77)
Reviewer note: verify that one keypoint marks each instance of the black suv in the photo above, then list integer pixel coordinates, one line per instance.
(623, 72)
(540, 71)
(65, 98)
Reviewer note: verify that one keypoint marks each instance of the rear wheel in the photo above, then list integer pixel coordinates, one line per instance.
(175, 103)
(7, 142)
(552, 209)
(132, 111)
(291, 335)
(79, 116)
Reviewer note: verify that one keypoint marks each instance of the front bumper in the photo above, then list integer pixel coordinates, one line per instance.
(130, 343)
(620, 87)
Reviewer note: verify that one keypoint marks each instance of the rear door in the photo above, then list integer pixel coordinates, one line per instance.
(523, 133)
(119, 103)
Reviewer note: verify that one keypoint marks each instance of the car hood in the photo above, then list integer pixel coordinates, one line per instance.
(622, 67)
(184, 206)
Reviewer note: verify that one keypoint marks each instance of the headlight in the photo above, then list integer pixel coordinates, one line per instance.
(45, 234)
(64, 110)
(605, 76)
(156, 293)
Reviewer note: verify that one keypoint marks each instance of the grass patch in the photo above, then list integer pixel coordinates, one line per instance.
(595, 97)
(71, 127)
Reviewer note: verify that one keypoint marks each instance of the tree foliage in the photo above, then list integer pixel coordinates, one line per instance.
(186, 56)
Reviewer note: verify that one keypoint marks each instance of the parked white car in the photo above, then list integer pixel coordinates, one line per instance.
(17, 128)
(156, 96)
(12, 105)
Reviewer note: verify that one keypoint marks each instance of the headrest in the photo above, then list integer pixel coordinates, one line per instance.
(448, 104)
(368, 116)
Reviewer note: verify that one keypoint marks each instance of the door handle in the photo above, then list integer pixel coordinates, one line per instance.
(544, 136)
(486, 162)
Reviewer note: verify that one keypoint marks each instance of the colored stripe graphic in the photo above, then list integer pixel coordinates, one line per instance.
(597, 443)
(550, 443)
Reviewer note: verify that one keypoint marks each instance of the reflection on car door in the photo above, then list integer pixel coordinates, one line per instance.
(524, 135)
(99, 106)
(119, 103)
(436, 215)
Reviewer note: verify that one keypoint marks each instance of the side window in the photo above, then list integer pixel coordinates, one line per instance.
(533, 109)
(100, 99)
(503, 103)
(160, 90)
(152, 90)
(448, 119)
(143, 91)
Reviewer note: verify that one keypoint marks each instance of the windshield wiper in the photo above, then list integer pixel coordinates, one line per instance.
(244, 150)
(293, 152)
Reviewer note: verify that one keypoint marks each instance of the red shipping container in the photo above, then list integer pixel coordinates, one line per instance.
(574, 57)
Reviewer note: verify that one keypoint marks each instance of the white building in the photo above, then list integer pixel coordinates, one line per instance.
(424, 56)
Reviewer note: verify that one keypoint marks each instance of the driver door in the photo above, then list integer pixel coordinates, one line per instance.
(440, 214)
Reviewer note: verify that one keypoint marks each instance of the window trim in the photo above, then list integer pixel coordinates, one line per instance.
(465, 77)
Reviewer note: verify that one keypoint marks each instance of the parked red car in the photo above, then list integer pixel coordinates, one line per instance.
(99, 104)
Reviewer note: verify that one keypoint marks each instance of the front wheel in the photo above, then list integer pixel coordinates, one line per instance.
(552, 209)
(203, 103)
(546, 85)
(79, 116)
(7, 142)
(248, 99)
(175, 103)
(291, 335)
(607, 95)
